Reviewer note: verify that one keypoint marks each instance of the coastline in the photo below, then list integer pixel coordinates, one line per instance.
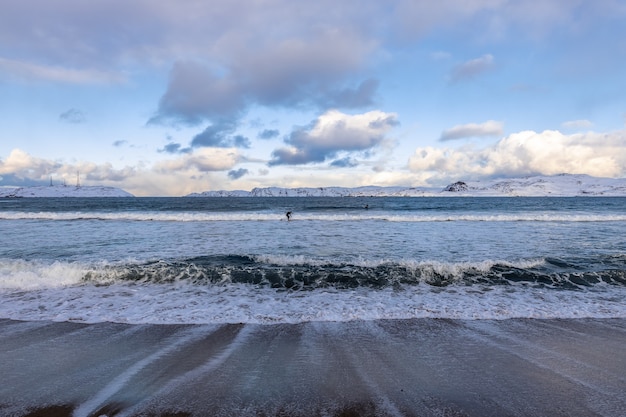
(417, 367)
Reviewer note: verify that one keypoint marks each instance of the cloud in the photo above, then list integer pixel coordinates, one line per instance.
(488, 128)
(174, 148)
(418, 17)
(73, 116)
(204, 160)
(23, 165)
(221, 134)
(102, 41)
(27, 71)
(353, 98)
(528, 153)
(269, 134)
(187, 173)
(346, 162)
(286, 74)
(496, 19)
(301, 68)
(577, 124)
(236, 174)
(472, 68)
(332, 132)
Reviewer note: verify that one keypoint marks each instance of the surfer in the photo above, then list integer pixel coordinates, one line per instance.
(288, 214)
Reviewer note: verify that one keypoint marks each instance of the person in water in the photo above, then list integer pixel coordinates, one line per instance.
(288, 214)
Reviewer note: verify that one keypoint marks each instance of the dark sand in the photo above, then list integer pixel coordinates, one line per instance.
(423, 367)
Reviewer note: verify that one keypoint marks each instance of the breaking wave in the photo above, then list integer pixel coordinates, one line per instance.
(301, 273)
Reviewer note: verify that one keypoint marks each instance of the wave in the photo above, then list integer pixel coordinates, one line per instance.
(301, 273)
(334, 217)
(276, 289)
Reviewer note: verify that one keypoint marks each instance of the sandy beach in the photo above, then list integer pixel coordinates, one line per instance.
(424, 367)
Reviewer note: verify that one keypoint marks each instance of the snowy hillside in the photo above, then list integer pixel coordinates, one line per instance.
(63, 191)
(564, 185)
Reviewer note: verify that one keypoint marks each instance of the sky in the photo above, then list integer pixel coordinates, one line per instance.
(172, 97)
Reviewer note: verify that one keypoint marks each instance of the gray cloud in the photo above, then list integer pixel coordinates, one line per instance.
(221, 135)
(472, 68)
(237, 173)
(95, 41)
(346, 162)
(73, 116)
(353, 98)
(488, 128)
(269, 134)
(306, 68)
(333, 132)
(174, 148)
(11, 180)
(196, 94)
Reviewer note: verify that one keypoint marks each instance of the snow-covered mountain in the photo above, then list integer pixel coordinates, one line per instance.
(367, 191)
(564, 185)
(63, 191)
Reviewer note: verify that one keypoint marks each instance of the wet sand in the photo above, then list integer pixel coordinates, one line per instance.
(425, 367)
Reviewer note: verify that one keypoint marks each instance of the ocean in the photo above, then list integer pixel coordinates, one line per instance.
(426, 307)
(238, 260)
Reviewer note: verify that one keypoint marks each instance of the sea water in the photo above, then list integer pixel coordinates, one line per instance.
(238, 260)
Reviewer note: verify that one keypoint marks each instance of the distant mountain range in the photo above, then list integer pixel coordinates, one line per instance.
(63, 191)
(564, 185)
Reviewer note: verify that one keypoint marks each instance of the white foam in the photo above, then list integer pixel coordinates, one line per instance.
(274, 216)
(185, 303)
(20, 274)
(438, 267)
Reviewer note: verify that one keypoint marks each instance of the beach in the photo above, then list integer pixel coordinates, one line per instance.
(418, 367)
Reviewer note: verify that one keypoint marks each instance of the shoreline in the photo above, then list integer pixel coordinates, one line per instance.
(416, 367)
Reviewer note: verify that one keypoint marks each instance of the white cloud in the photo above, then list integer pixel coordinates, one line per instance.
(202, 160)
(332, 132)
(488, 128)
(526, 153)
(21, 164)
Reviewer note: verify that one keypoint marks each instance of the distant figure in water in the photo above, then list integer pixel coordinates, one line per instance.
(288, 214)
(367, 206)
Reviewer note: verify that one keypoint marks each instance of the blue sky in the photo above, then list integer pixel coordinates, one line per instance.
(173, 97)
